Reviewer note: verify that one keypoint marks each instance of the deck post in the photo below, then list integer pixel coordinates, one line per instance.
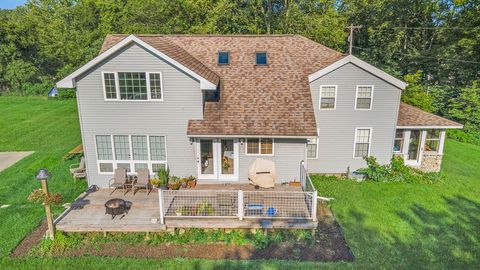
(314, 206)
(160, 204)
(240, 204)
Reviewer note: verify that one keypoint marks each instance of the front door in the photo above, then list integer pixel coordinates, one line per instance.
(217, 159)
(414, 148)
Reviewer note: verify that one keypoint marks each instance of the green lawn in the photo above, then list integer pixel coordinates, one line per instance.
(387, 225)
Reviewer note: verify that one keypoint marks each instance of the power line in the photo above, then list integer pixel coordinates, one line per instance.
(429, 57)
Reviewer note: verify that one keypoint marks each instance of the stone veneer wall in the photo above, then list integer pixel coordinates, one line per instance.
(431, 162)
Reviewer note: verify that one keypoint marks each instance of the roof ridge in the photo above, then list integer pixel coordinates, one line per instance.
(205, 35)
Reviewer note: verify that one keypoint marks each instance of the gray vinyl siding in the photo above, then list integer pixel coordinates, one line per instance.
(288, 153)
(337, 127)
(182, 101)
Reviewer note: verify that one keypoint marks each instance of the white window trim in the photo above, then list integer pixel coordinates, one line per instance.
(132, 162)
(117, 86)
(316, 152)
(320, 98)
(395, 138)
(441, 140)
(369, 141)
(371, 98)
(259, 147)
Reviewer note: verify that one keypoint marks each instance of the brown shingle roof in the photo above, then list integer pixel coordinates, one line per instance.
(410, 116)
(164, 45)
(271, 100)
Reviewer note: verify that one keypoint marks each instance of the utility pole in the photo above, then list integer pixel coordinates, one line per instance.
(352, 27)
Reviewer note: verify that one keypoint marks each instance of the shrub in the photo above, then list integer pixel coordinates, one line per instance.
(66, 93)
(396, 171)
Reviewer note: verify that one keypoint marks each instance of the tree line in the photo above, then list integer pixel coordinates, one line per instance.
(434, 45)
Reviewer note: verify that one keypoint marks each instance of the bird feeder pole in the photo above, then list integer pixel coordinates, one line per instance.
(43, 176)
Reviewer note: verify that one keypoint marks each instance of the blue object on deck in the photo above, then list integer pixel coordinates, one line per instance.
(271, 211)
(53, 92)
(254, 206)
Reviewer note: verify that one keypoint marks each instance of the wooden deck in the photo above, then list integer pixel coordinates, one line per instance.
(87, 214)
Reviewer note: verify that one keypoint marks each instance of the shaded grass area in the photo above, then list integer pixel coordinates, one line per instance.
(387, 225)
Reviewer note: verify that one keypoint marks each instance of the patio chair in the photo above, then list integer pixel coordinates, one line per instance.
(78, 168)
(119, 180)
(143, 181)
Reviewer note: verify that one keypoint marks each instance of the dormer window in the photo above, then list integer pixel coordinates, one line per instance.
(261, 58)
(223, 58)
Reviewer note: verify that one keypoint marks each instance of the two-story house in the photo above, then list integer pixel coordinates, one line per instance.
(209, 105)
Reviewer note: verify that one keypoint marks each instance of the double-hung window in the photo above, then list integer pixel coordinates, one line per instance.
(312, 148)
(328, 96)
(362, 142)
(398, 143)
(259, 146)
(131, 152)
(133, 86)
(432, 141)
(364, 97)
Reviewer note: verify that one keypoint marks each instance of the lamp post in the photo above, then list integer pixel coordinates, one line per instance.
(43, 175)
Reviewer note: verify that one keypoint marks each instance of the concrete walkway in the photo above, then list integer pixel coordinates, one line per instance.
(7, 159)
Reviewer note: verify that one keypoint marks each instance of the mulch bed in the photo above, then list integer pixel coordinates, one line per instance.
(329, 246)
(31, 240)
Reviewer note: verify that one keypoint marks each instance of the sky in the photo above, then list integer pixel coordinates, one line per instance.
(11, 4)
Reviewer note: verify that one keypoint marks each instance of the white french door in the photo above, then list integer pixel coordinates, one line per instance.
(415, 144)
(217, 159)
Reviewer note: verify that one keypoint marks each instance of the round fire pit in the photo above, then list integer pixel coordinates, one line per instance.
(116, 207)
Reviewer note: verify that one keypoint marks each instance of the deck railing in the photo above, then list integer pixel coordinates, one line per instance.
(241, 204)
(237, 204)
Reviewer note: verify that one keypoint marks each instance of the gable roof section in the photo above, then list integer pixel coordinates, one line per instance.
(163, 49)
(361, 64)
(412, 117)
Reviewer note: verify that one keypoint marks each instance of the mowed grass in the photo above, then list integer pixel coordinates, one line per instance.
(387, 225)
(412, 226)
(50, 128)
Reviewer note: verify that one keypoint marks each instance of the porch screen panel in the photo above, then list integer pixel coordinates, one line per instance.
(157, 148)
(398, 144)
(104, 147)
(133, 85)
(122, 147)
(362, 142)
(139, 147)
(432, 140)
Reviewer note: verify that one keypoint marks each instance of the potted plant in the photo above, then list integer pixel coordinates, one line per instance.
(174, 182)
(163, 177)
(155, 182)
(192, 181)
(184, 182)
